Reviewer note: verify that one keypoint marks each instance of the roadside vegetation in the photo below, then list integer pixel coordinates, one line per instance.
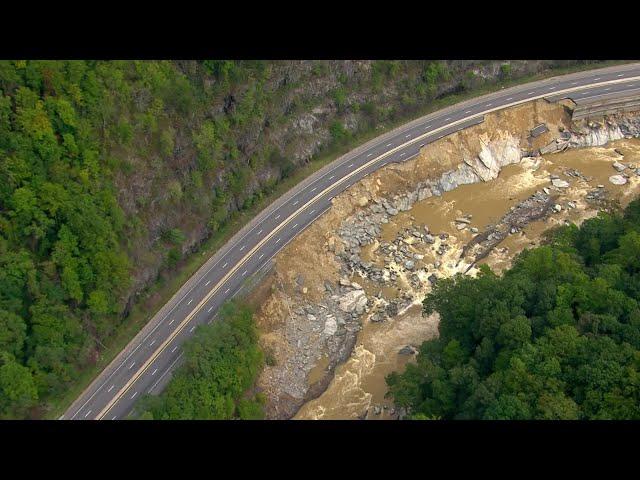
(113, 172)
(556, 337)
(221, 364)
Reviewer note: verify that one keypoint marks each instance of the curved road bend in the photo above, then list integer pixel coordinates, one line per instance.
(143, 365)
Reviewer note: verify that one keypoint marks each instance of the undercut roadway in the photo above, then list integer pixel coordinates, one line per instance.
(145, 363)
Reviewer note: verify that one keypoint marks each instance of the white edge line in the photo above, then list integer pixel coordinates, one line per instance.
(165, 372)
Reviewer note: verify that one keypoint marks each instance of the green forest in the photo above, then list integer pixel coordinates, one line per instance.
(557, 336)
(62, 267)
(113, 172)
(221, 363)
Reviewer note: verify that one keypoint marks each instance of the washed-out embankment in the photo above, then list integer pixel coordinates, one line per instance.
(341, 307)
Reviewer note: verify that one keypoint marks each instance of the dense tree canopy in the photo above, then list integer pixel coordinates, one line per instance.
(108, 167)
(67, 130)
(61, 265)
(556, 337)
(222, 361)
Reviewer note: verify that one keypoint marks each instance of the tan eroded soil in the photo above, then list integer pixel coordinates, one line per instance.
(359, 382)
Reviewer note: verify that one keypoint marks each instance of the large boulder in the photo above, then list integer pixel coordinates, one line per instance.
(617, 179)
(408, 350)
(619, 166)
(559, 183)
(353, 301)
(330, 326)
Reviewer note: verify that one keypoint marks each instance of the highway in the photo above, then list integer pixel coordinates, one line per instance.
(143, 366)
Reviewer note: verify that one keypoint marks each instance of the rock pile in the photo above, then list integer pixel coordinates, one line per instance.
(536, 207)
(593, 134)
(414, 257)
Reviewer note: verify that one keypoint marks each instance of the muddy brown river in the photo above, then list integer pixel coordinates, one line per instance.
(359, 383)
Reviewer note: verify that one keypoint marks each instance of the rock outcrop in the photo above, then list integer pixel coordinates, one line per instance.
(594, 134)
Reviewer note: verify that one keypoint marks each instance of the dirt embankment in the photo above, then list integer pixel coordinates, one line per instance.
(343, 299)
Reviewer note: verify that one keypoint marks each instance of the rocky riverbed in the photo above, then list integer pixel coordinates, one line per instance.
(342, 309)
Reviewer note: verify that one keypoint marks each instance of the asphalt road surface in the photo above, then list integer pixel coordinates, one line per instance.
(143, 366)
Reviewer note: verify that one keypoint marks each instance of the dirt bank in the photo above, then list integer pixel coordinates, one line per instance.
(344, 296)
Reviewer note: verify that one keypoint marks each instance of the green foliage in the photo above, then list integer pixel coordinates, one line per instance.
(174, 236)
(505, 70)
(222, 361)
(18, 391)
(173, 257)
(196, 140)
(250, 409)
(340, 98)
(556, 337)
(433, 74)
(338, 132)
(62, 268)
(470, 80)
(174, 190)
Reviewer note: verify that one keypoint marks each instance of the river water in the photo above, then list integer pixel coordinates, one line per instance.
(359, 383)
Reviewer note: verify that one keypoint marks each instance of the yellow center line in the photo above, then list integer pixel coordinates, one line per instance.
(344, 179)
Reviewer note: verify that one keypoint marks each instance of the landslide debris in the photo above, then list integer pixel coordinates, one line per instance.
(389, 238)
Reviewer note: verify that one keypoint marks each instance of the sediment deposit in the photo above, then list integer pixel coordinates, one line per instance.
(343, 306)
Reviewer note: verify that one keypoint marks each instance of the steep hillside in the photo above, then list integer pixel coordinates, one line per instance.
(111, 172)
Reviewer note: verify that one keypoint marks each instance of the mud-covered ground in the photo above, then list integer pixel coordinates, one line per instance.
(341, 308)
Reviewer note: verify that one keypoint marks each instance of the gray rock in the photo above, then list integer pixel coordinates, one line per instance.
(619, 166)
(392, 211)
(617, 179)
(330, 326)
(355, 300)
(408, 350)
(409, 264)
(391, 309)
(559, 183)
(375, 208)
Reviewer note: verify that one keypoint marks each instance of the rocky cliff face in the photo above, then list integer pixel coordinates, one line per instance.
(585, 133)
